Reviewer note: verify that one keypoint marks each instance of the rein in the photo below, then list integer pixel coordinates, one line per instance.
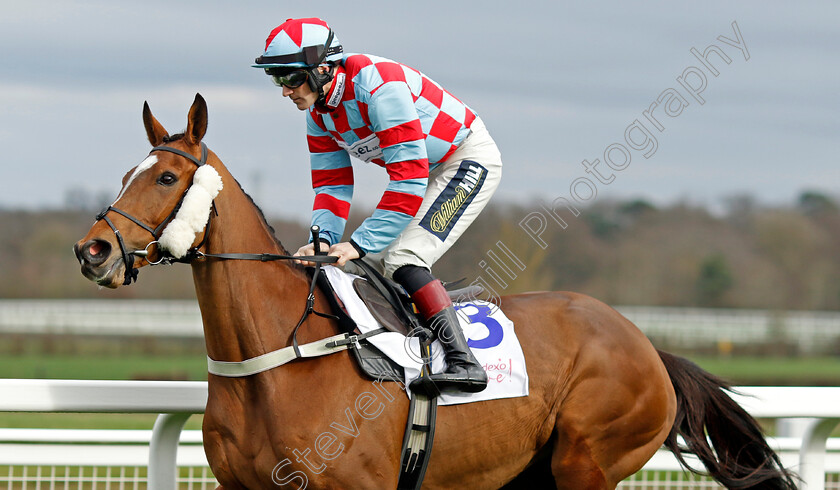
(282, 356)
(319, 258)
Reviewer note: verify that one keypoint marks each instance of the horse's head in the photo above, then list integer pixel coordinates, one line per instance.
(162, 208)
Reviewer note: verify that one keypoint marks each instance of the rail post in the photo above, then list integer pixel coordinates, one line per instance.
(812, 453)
(163, 450)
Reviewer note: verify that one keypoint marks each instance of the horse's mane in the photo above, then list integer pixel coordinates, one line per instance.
(264, 220)
(173, 137)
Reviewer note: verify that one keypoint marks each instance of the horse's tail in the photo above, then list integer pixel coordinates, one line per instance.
(735, 453)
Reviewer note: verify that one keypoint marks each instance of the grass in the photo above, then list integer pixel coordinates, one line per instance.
(772, 371)
(133, 421)
(123, 367)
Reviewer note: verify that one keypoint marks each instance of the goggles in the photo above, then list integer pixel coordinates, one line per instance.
(292, 79)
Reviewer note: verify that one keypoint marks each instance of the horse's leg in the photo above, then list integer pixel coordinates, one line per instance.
(574, 466)
(618, 405)
(591, 461)
(607, 431)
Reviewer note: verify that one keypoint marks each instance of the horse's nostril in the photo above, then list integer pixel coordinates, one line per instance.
(95, 252)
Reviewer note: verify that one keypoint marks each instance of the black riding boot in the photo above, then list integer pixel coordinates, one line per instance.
(463, 373)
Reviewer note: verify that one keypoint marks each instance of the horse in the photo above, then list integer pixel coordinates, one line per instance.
(602, 398)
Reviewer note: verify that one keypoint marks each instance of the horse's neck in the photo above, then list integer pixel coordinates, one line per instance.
(248, 307)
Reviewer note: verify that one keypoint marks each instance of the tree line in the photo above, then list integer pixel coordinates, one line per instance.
(622, 252)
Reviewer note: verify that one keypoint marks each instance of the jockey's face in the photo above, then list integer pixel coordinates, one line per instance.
(303, 96)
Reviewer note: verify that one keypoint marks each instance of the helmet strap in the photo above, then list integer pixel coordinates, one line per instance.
(317, 80)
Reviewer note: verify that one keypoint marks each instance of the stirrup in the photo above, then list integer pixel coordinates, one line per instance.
(424, 386)
(449, 382)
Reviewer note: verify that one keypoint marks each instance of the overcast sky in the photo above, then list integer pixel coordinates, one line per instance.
(555, 84)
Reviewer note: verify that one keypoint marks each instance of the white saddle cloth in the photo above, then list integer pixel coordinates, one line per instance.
(488, 331)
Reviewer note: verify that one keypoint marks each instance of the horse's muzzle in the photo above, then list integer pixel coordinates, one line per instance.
(98, 263)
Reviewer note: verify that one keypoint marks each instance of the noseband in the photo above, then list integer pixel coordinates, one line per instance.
(128, 257)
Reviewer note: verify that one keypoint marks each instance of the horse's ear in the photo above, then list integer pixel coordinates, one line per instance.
(197, 120)
(154, 130)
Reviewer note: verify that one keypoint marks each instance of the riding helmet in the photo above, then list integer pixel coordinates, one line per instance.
(302, 43)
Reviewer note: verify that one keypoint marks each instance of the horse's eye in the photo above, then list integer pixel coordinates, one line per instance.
(167, 178)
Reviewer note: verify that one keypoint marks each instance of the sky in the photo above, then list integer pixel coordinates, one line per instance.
(556, 84)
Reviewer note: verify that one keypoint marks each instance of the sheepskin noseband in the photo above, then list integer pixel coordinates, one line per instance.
(191, 219)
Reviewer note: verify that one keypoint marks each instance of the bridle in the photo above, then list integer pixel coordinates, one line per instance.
(128, 256)
(165, 258)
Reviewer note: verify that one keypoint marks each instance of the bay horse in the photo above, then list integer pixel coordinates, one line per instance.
(602, 398)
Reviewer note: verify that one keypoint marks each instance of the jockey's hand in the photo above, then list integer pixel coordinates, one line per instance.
(344, 251)
(309, 249)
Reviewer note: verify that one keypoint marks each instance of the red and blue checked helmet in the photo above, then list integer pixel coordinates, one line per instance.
(300, 43)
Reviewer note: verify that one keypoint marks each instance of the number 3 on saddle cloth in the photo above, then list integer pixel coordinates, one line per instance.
(395, 354)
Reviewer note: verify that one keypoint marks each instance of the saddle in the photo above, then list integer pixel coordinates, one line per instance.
(388, 310)
(391, 306)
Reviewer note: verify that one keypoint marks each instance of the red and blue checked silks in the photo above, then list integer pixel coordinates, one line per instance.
(387, 113)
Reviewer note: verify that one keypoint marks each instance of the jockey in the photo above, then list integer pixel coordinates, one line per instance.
(442, 164)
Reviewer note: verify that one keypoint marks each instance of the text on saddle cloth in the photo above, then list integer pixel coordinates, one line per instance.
(490, 335)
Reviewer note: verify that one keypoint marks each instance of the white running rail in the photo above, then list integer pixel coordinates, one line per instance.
(175, 401)
(817, 407)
